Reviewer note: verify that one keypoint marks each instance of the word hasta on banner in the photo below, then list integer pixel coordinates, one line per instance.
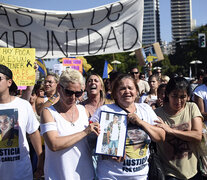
(21, 62)
(115, 27)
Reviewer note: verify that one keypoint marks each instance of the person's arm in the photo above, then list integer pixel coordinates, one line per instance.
(156, 133)
(149, 69)
(108, 137)
(37, 144)
(200, 103)
(40, 104)
(26, 94)
(56, 142)
(195, 134)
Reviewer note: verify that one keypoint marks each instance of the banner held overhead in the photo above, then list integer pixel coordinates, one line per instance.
(112, 28)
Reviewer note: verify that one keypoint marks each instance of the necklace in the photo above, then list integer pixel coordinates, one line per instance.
(71, 122)
(70, 118)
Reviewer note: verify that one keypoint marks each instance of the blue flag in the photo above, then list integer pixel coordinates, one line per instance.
(107, 69)
(42, 67)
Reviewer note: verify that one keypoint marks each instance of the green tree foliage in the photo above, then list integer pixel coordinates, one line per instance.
(187, 51)
(97, 62)
(167, 68)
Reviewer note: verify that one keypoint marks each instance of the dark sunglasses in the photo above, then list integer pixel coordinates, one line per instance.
(134, 72)
(50, 82)
(70, 93)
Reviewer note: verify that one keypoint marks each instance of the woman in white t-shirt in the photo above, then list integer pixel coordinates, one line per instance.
(151, 97)
(64, 127)
(140, 132)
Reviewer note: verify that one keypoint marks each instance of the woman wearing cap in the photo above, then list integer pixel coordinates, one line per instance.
(64, 127)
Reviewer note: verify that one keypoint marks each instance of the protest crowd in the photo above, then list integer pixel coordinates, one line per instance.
(52, 127)
(80, 125)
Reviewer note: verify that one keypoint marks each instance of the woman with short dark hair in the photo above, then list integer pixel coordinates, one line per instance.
(140, 132)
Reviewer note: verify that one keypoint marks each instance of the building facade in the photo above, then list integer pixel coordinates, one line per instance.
(181, 20)
(151, 23)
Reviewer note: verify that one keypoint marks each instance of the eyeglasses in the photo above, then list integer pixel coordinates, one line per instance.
(50, 82)
(134, 72)
(70, 93)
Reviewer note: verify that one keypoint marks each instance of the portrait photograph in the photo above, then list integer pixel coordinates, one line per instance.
(111, 140)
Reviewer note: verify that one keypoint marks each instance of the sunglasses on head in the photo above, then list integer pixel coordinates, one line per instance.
(70, 93)
(134, 72)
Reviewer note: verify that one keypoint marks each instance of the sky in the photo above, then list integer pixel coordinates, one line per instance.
(199, 11)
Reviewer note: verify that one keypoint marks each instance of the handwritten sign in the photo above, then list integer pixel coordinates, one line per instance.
(21, 62)
(112, 28)
(73, 63)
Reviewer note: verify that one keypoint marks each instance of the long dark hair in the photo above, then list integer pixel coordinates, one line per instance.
(177, 83)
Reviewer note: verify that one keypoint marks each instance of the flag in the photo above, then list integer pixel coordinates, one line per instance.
(86, 66)
(107, 69)
(41, 66)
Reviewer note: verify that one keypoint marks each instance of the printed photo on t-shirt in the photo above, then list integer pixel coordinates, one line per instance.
(137, 142)
(9, 135)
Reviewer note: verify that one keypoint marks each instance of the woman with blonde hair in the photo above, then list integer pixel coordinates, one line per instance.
(165, 79)
(65, 127)
(96, 93)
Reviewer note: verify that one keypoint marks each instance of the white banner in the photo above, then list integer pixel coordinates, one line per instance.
(113, 28)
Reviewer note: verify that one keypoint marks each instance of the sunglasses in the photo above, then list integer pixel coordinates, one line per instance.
(70, 93)
(50, 82)
(134, 72)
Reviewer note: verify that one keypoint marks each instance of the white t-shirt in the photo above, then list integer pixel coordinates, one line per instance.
(201, 91)
(135, 166)
(143, 86)
(14, 152)
(115, 132)
(151, 99)
(71, 163)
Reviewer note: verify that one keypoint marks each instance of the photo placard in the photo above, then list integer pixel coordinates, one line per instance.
(111, 140)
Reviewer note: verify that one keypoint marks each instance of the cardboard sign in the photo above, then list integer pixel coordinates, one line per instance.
(74, 63)
(21, 62)
(148, 54)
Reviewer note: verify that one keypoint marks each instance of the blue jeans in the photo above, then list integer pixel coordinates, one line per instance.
(113, 143)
